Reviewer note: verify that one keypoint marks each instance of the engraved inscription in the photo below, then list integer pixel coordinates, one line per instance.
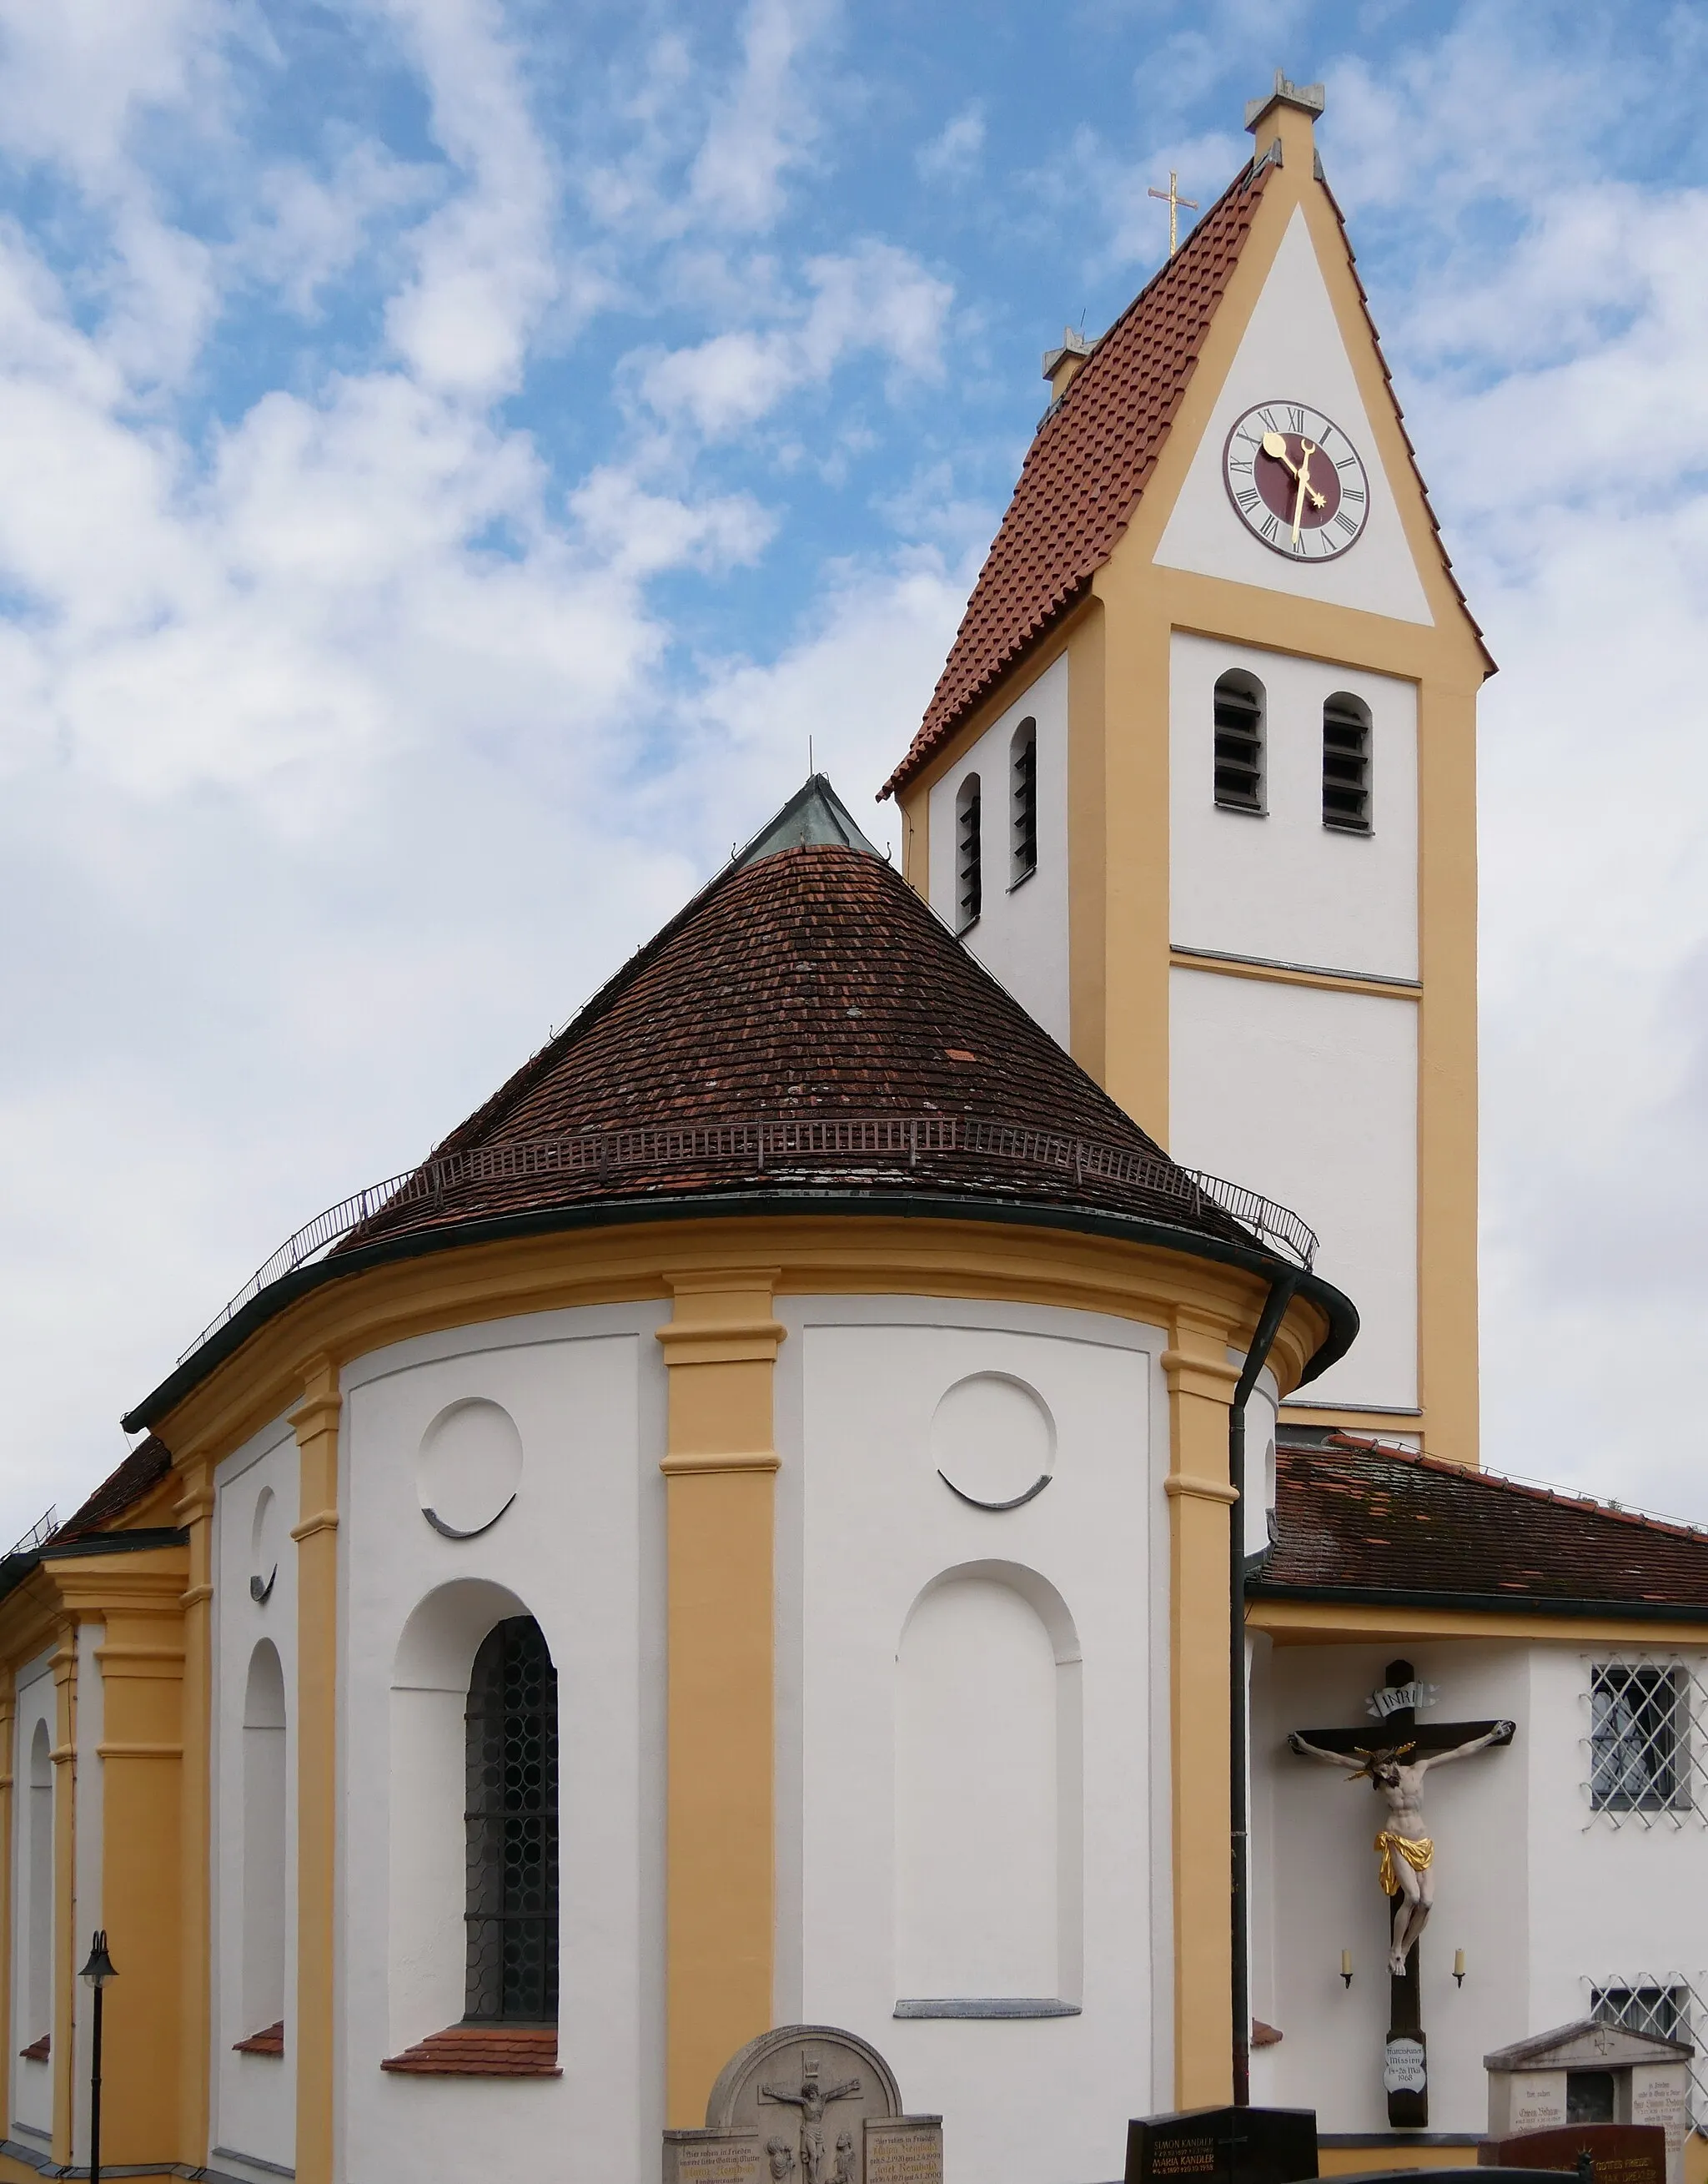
(1184, 2157)
(903, 2156)
(717, 2164)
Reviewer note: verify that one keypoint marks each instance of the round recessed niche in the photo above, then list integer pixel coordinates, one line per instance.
(266, 1529)
(469, 1468)
(993, 1440)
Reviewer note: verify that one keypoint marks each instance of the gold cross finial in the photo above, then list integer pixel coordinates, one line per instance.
(1172, 199)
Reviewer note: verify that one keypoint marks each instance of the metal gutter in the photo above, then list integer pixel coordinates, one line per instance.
(1281, 1294)
(1498, 1603)
(940, 1205)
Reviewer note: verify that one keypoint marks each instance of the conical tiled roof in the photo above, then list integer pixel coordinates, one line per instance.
(806, 1022)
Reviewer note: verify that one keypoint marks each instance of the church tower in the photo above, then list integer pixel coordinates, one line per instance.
(1198, 782)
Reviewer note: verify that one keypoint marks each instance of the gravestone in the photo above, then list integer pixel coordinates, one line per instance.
(806, 2104)
(1586, 2074)
(1223, 2146)
(1623, 2154)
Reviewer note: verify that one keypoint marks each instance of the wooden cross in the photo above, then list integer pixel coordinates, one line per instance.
(1171, 197)
(1395, 1724)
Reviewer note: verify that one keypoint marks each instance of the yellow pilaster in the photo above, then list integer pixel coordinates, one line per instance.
(316, 1535)
(194, 1511)
(1200, 1390)
(65, 1959)
(8, 1716)
(720, 1347)
(151, 2015)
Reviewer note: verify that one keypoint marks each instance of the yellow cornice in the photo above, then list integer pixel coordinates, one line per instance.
(1292, 974)
(1350, 1623)
(880, 1255)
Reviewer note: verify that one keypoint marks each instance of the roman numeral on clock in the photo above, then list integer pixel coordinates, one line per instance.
(1271, 528)
(1247, 497)
(1295, 420)
(1344, 522)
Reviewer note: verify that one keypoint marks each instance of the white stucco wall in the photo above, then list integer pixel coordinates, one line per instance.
(1280, 885)
(253, 2096)
(1292, 351)
(1543, 1895)
(89, 1771)
(32, 2083)
(866, 1528)
(1021, 934)
(1310, 1096)
(581, 1550)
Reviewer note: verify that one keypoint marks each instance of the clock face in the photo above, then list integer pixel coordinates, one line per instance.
(1296, 482)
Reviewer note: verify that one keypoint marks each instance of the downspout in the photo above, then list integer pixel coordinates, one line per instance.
(1268, 1325)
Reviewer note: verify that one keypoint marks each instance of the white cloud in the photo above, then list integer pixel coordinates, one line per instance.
(873, 299)
(766, 125)
(953, 155)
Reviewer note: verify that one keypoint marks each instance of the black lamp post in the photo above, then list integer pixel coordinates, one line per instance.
(97, 1972)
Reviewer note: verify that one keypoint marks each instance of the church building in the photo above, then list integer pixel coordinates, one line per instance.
(824, 1500)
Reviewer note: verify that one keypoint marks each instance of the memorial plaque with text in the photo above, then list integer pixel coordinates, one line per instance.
(905, 2150)
(712, 2157)
(1623, 2152)
(1223, 2146)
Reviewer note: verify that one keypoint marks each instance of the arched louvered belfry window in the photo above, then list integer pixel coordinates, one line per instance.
(512, 1821)
(1346, 764)
(1023, 771)
(1239, 743)
(969, 855)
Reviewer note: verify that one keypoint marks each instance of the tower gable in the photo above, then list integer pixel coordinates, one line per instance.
(1293, 350)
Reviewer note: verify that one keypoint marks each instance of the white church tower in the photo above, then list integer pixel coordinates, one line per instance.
(1198, 782)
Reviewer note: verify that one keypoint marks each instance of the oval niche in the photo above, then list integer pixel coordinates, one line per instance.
(993, 1440)
(469, 1468)
(266, 1529)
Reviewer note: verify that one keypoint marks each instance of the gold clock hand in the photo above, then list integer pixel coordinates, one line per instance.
(1298, 503)
(1307, 449)
(1276, 449)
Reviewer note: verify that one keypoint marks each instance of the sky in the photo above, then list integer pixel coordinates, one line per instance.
(455, 454)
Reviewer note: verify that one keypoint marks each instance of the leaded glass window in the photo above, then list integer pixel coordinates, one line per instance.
(512, 1829)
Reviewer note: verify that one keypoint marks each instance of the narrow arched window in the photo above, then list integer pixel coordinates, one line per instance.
(969, 897)
(512, 1829)
(1346, 764)
(264, 1845)
(1023, 778)
(1239, 743)
(39, 1962)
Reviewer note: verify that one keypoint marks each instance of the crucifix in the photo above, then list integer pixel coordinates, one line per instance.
(1394, 1757)
(812, 2100)
(1171, 197)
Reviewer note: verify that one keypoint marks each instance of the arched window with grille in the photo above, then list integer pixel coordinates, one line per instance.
(1239, 710)
(969, 863)
(1346, 764)
(1023, 774)
(511, 1825)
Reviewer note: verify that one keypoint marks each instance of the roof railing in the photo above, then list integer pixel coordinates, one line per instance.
(772, 1144)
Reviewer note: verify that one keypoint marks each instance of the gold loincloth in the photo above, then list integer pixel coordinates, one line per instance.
(1419, 1854)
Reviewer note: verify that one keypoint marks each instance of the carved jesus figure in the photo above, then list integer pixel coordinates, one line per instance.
(812, 2100)
(1404, 1852)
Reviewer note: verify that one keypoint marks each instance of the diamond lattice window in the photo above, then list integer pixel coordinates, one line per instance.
(1645, 1741)
(512, 1829)
(1666, 2004)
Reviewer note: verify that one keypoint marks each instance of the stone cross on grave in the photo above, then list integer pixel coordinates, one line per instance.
(812, 2099)
(1392, 1757)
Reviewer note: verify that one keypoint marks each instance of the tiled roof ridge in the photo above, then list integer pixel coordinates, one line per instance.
(135, 1476)
(1589, 1505)
(962, 681)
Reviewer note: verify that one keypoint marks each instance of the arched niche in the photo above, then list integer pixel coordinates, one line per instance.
(265, 1812)
(988, 1823)
(38, 1957)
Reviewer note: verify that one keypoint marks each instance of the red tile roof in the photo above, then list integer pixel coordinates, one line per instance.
(142, 1469)
(1089, 462)
(812, 991)
(1361, 1519)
